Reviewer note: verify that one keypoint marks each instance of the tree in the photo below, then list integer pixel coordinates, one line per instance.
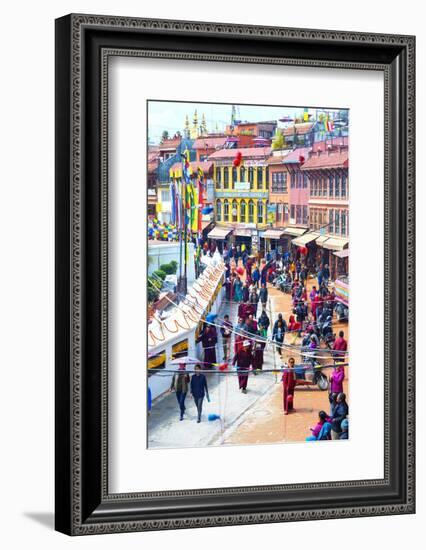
(278, 140)
(164, 135)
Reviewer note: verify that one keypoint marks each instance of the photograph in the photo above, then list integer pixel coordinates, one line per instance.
(247, 221)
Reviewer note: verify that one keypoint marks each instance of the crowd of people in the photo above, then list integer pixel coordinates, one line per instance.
(310, 320)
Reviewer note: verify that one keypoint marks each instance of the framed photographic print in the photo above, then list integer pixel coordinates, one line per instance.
(234, 274)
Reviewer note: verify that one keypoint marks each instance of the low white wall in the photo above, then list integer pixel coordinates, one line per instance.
(160, 383)
(165, 252)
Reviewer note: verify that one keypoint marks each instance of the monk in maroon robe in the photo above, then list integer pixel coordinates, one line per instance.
(243, 360)
(208, 339)
(289, 383)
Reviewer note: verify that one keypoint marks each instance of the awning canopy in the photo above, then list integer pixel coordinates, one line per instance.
(342, 253)
(305, 239)
(219, 233)
(295, 231)
(273, 234)
(335, 243)
(321, 240)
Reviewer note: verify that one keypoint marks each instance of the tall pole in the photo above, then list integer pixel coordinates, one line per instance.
(185, 232)
(180, 237)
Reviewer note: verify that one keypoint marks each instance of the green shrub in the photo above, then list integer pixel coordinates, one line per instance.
(153, 289)
(174, 265)
(169, 269)
(160, 273)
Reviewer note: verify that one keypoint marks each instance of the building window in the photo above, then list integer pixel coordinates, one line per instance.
(292, 179)
(242, 173)
(234, 177)
(304, 215)
(250, 176)
(330, 186)
(344, 190)
(343, 220)
(324, 187)
(336, 186)
(226, 178)
(337, 222)
(260, 212)
(292, 213)
(165, 195)
(315, 187)
(226, 210)
(330, 221)
(266, 180)
(305, 181)
(234, 211)
(243, 213)
(286, 212)
(218, 211)
(280, 211)
(251, 211)
(218, 176)
(298, 214)
(259, 177)
(311, 187)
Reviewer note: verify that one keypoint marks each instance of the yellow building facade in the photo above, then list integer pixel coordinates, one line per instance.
(241, 193)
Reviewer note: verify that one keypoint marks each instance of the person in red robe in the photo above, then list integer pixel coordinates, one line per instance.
(243, 360)
(289, 383)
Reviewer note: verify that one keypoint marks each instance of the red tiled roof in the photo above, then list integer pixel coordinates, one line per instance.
(247, 152)
(299, 129)
(205, 165)
(294, 156)
(171, 143)
(321, 145)
(332, 159)
(209, 142)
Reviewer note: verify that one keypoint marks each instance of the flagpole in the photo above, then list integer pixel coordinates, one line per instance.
(185, 230)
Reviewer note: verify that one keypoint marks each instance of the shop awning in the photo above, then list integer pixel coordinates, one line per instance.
(335, 243)
(321, 240)
(219, 233)
(342, 253)
(305, 239)
(272, 234)
(295, 231)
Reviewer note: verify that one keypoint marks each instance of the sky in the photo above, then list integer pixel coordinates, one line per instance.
(170, 115)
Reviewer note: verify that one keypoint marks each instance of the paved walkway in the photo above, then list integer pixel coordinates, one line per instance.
(165, 430)
(255, 417)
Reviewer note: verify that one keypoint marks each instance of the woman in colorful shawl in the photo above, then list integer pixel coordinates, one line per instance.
(289, 383)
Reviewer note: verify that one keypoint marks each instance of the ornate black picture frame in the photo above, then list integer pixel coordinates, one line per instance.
(84, 44)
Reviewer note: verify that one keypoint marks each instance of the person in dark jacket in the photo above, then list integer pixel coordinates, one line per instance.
(278, 332)
(180, 383)
(263, 324)
(340, 413)
(345, 429)
(199, 390)
(243, 359)
(246, 293)
(263, 296)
